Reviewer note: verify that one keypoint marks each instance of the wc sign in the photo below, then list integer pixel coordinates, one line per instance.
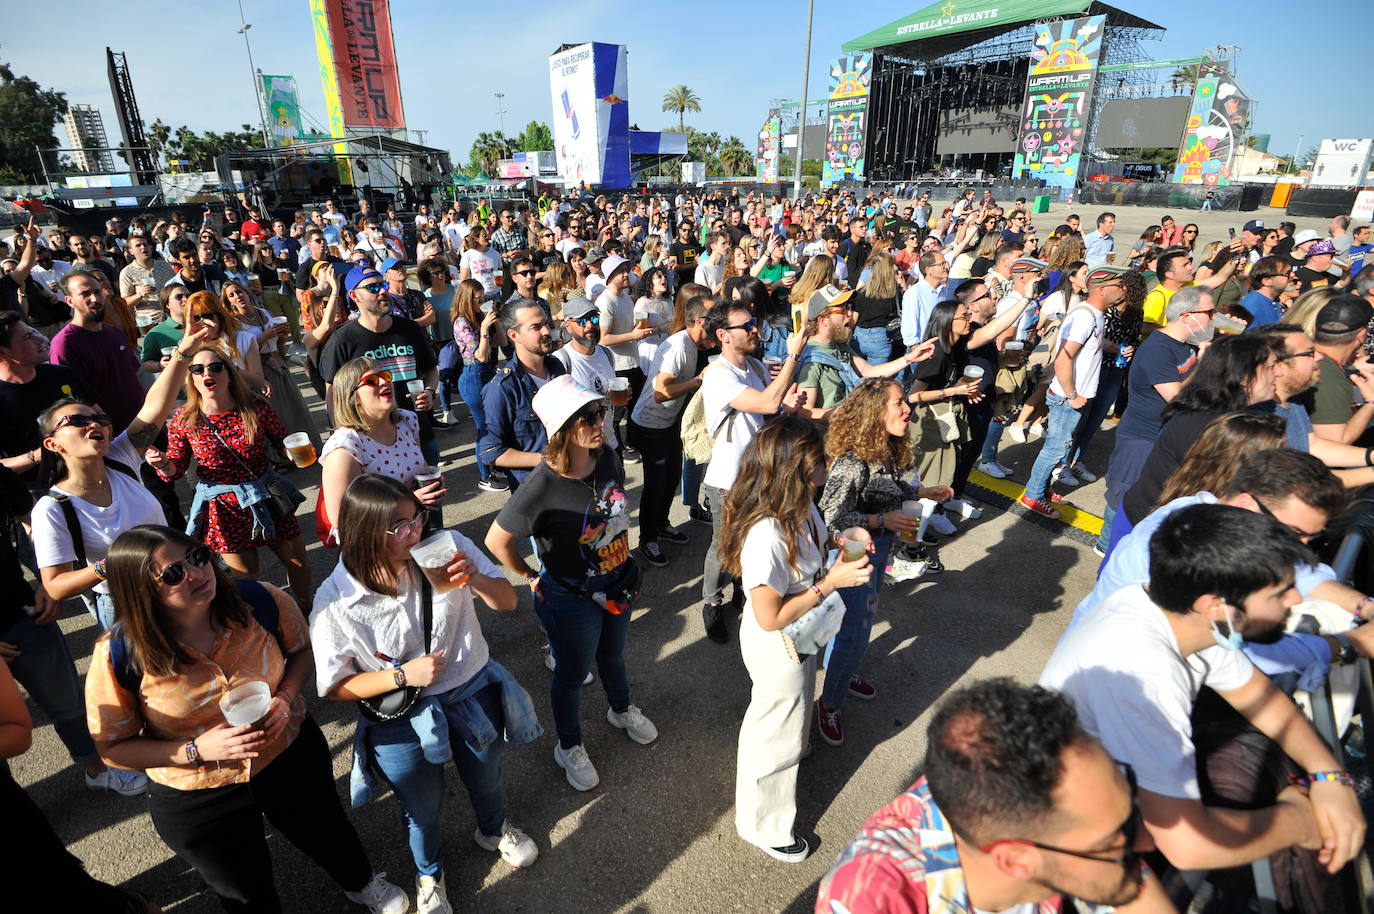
(1343, 163)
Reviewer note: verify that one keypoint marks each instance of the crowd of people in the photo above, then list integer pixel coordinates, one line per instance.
(818, 381)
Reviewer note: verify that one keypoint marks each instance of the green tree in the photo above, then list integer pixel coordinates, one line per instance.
(1183, 76)
(487, 150)
(681, 99)
(28, 114)
(536, 137)
(201, 149)
(735, 157)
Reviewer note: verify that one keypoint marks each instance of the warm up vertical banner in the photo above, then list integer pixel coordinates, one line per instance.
(1059, 94)
(850, 78)
(319, 17)
(364, 58)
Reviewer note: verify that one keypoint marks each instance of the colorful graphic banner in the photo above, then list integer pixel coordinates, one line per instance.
(319, 16)
(364, 59)
(591, 118)
(1059, 91)
(850, 78)
(283, 109)
(770, 147)
(1216, 124)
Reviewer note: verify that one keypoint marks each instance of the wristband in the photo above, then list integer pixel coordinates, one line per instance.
(794, 355)
(1359, 608)
(1367, 461)
(820, 597)
(400, 676)
(193, 755)
(181, 357)
(1312, 777)
(100, 569)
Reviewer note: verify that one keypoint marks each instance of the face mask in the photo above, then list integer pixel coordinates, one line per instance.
(1198, 337)
(1231, 641)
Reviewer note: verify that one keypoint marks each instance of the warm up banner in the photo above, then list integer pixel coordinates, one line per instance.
(364, 58)
(849, 80)
(1059, 92)
(1216, 123)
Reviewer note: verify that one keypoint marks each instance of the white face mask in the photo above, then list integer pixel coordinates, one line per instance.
(1232, 640)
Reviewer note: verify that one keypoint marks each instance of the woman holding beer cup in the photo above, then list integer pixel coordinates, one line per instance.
(227, 430)
(866, 488)
(373, 435)
(381, 623)
(187, 637)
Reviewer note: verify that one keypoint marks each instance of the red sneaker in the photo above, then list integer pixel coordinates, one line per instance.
(1039, 507)
(1056, 498)
(828, 722)
(861, 688)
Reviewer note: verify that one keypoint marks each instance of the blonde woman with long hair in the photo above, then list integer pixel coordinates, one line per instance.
(558, 286)
(228, 335)
(819, 273)
(877, 305)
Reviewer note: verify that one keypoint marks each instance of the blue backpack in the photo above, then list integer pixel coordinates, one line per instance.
(130, 677)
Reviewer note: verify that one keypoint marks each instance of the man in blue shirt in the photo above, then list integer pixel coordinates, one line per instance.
(1100, 247)
(922, 297)
(286, 248)
(1359, 249)
(1269, 279)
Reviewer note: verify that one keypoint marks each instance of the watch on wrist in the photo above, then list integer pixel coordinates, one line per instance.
(100, 569)
(1347, 653)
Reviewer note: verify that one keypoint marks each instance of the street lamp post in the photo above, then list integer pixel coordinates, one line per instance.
(501, 111)
(801, 124)
(257, 81)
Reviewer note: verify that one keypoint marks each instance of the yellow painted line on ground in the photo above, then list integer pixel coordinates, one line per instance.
(1074, 517)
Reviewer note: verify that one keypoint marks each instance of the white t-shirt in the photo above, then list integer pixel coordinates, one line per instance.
(1082, 325)
(618, 316)
(567, 244)
(721, 383)
(1134, 690)
(485, 267)
(763, 557)
(130, 506)
(399, 461)
(454, 235)
(594, 285)
(709, 274)
(594, 372)
(677, 358)
(350, 625)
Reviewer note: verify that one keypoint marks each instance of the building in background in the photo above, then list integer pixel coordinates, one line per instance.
(86, 134)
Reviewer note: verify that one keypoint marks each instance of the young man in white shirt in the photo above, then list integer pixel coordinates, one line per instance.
(1135, 665)
(1077, 367)
(586, 360)
(737, 398)
(711, 268)
(620, 335)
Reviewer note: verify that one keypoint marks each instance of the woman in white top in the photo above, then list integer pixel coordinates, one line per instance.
(370, 637)
(480, 262)
(372, 436)
(775, 539)
(78, 468)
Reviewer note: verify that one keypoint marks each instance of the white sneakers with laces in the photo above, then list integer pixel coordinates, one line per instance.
(993, 469)
(634, 723)
(124, 783)
(963, 509)
(517, 848)
(575, 764)
(381, 897)
(431, 896)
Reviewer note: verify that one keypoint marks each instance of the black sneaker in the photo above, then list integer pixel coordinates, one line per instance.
(713, 617)
(673, 535)
(700, 515)
(650, 553)
(493, 484)
(631, 454)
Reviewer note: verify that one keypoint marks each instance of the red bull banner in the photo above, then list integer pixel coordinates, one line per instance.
(365, 62)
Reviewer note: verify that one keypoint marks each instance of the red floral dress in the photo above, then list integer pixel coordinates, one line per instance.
(227, 527)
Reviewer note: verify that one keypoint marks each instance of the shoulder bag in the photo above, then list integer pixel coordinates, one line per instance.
(398, 702)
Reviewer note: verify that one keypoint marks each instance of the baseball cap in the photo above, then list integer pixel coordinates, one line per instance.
(1255, 226)
(1100, 276)
(359, 275)
(388, 264)
(578, 307)
(1305, 236)
(559, 400)
(1322, 246)
(593, 253)
(825, 297)
(1343, 314)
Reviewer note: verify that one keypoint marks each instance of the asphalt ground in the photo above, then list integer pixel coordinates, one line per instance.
(658, 833)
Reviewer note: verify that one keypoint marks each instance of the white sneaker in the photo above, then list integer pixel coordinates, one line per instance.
(124, 783)
(993, 469)
(574, 762)
(963, 509)
(449, 417)
(904, 570)
(1083, 473)
(1017, 433)
(634, 723)
(942, 525)
(517, 848)
(1064, 477)
(1037, 430)
(551, 664)
(380, 896)
(431, 897)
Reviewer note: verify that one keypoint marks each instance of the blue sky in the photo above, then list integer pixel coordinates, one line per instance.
(189, 65)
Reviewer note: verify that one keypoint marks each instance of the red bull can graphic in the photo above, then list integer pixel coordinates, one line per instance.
(570, 114)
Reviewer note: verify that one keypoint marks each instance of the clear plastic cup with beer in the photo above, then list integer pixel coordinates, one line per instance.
(641, 319)
(247, 704)
(1012, 353)
(434, 555)
(299, 449)
(620, 392)
(854, 543)
(971, 373)
(911, 509)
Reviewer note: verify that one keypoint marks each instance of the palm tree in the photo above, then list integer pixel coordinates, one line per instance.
(734, 157)
(681, 99)
(1183, 76)
(487, 150)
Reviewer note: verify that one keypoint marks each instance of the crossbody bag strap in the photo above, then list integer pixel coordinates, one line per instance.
(427, 598)
(237, 455)
(73, 525)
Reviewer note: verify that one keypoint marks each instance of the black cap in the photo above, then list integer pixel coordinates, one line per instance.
(1343, 314)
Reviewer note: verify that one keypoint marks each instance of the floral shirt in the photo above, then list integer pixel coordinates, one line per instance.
(185, 704)
(856, 488)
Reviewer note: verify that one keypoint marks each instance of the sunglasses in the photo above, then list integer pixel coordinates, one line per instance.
(212, 367)
(373, 287)
(747, 326)
(1302, 535)
(523, 273)
(375, 379)
(593, 319)
(176, 572)
(208, 317)
(591, 417)
(81, 420)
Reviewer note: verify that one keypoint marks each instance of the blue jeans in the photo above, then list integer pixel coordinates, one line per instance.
(475, 375)
(45, 668)
(875, 346)
(993, 441)
(846, 650)
(419, 784)
(1108, 383)
(581, 631)
(1058, 437)
(692, 475)
(1104, 538)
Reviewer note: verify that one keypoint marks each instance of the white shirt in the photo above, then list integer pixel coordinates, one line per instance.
(721, 383)
(350, 625)
(618, 316)
(130, 506)
(594, 285)
(46, 278)
(709, 274)
(1082, 325)
(1122, 668)
(567, 244)
(594, 372)
(677, 358)
(484, 266)
(763, 557)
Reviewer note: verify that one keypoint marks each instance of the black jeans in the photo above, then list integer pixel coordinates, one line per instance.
(636, 379)
(219, 832)
(661, 451)
(979, 417)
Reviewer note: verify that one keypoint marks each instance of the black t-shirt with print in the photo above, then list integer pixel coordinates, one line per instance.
(403, 349)
(686, 255)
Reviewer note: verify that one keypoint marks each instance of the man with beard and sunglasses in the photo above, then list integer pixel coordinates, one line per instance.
(514, 438)
(586, 360)
(98, 351)
(1218, 576)
(1020, 809)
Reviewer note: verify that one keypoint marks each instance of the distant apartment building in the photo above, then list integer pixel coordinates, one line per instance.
(86, 135)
